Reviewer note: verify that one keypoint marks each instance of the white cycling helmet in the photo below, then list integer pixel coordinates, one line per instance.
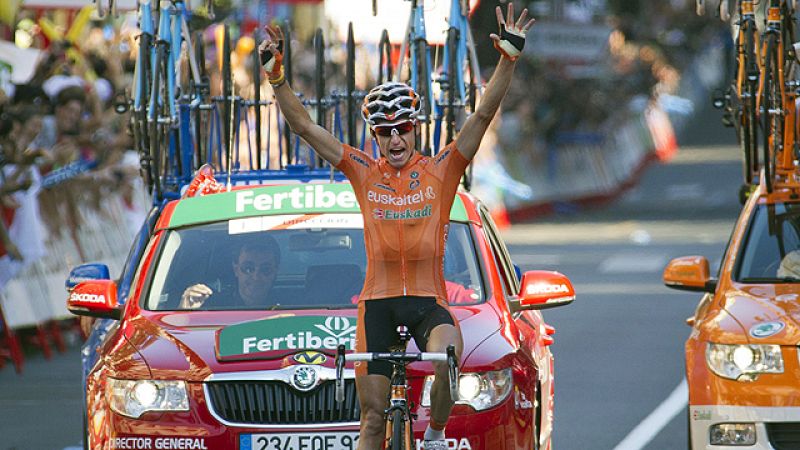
(390, 102)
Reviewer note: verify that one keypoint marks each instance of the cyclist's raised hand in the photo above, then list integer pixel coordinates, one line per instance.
(511, 40)
(271, 52)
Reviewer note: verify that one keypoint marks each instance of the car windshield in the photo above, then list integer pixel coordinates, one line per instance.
(320, 263)
(772, 251)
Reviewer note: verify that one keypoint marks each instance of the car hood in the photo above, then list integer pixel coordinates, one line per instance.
(766, 313)
(192, 345)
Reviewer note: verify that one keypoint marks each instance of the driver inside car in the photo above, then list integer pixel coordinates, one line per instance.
(255, 266)
(790, 266)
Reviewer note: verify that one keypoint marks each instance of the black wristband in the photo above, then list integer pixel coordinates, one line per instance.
(514, 39)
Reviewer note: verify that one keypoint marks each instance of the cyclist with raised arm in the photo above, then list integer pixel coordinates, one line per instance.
(405, 200)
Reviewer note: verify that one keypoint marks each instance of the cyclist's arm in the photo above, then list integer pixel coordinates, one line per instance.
(324, 143)
(469, 138)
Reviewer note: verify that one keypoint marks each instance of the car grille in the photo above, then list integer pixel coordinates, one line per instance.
(276, 403)
(784, 435)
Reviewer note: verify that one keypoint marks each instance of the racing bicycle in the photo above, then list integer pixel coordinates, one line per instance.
(740, 102)
(398, 416)
(777, 92)
(416, 43)
(458, 81)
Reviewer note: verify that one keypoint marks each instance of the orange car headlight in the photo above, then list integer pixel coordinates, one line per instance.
(744, 362)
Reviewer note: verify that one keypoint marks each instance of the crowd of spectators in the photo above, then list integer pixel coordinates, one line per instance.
(60, 138)
(650, 44)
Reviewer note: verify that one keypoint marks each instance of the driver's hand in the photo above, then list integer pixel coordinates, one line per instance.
(194, 296)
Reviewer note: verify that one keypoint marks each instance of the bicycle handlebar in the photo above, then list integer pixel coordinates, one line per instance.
(398, 357)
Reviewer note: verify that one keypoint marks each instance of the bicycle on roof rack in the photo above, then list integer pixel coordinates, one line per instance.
(779, 83)
(179, 126)
(457, 76)
(739, 102)
(399, 418)
(762, 102)
(161, 94)
(460, 76)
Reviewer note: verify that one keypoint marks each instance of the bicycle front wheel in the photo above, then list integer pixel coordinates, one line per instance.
(750, 124)
(400, 438)
(770, 106)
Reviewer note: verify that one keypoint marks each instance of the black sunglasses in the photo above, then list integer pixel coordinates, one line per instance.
(388, 130)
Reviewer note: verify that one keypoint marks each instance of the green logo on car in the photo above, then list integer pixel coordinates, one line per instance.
(248, 340)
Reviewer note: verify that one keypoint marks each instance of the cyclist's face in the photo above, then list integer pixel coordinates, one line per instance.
(255, 272)
(398, 146)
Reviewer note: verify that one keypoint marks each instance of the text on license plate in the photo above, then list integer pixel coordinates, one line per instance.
(345, 440)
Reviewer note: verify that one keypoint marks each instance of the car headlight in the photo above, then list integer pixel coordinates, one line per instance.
(132, 398)
(744, 362)
(481, 390)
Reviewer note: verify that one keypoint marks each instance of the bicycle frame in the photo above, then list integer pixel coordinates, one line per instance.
(784, 164)
(158, 118)
(453, 94)
(416, 44)
(141, 95)
(747, 87)
(777, 105)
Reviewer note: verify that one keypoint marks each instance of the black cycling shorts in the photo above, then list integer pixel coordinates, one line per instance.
(378, 321)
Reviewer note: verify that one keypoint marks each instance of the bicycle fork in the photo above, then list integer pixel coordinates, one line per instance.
(399, 411)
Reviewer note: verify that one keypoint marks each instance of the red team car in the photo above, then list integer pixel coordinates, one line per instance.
(226, 373)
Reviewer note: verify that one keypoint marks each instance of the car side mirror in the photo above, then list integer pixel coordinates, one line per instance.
(689, 273)
(96, 298)
(86, 272)
(541, 289)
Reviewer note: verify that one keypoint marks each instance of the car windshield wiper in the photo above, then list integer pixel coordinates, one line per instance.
(770, 280)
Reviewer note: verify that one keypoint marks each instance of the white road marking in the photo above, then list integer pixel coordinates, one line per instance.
(683, 192)
(627, 262)
(649, 428)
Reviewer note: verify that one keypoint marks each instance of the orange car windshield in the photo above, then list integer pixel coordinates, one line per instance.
(321, 264)
(771, 253)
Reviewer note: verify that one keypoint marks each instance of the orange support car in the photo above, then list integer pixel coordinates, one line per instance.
(742, 362)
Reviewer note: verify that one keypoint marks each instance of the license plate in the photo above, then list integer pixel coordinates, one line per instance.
(345, 440)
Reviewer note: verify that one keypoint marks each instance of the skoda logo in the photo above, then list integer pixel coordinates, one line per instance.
(304, 378)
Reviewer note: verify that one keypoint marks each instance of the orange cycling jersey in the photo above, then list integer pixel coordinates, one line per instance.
(406, 218)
